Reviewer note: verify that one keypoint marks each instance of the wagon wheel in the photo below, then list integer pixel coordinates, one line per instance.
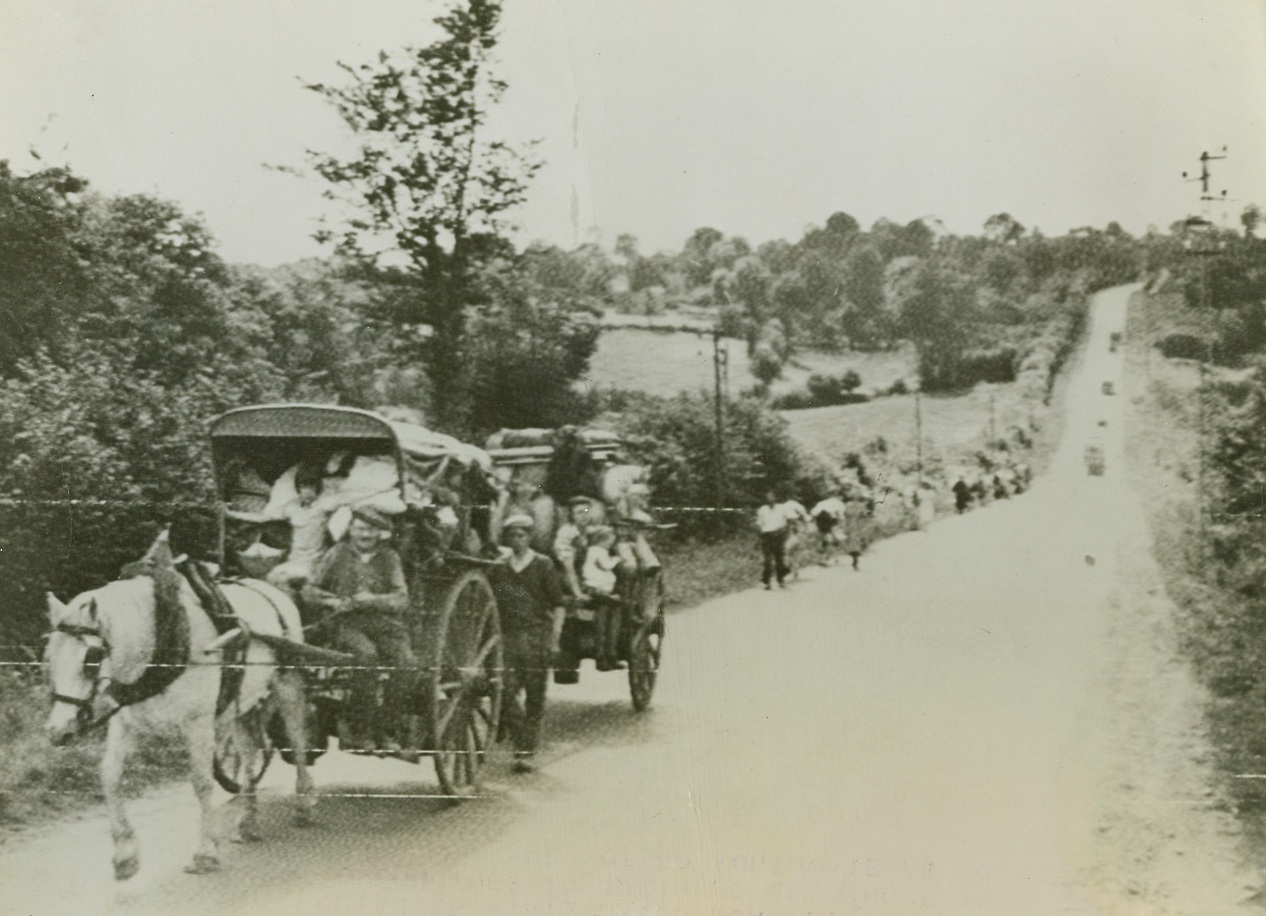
(647, 639)
(465, 683)
(242, 751)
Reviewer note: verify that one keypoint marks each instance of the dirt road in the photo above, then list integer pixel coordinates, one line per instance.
(987, 719)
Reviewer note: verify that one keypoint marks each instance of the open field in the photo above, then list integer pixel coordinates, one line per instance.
(953, 425)
(665, 362)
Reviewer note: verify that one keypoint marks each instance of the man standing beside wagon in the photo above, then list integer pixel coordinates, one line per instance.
(530, 601)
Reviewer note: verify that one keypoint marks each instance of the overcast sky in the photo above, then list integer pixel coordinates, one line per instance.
(757, 118)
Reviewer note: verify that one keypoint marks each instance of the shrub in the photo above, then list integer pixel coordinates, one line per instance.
(1179, 345)
(675, 438)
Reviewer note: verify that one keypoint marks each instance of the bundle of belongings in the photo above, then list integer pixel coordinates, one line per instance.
(447, 485)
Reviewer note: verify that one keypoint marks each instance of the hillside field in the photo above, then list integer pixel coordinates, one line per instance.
(669, 361)
(953, 425)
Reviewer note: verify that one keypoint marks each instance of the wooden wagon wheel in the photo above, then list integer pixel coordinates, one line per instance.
(242, 750)
(647, 638)
(465, 682)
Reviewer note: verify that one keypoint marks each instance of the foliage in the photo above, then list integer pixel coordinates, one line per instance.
(42, 274)
(675, 437)
(528, 343)
(1183, 346)
(430, 183)
(823, 390)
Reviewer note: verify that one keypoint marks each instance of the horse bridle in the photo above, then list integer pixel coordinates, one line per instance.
(93, 657)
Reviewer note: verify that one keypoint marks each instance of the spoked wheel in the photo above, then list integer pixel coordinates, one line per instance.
(242, 750)
(647, 640)
(465, 683)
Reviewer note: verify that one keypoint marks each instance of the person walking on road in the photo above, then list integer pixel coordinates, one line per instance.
(857, 524)
(530, 601)
(772, 522)
(828, 516)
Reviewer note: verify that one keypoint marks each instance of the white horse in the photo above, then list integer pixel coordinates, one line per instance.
(103, 658)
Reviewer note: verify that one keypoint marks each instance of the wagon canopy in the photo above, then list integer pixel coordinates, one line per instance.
(269, 439)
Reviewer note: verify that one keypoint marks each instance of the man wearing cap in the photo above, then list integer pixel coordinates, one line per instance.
(530, 601)
(359, 587)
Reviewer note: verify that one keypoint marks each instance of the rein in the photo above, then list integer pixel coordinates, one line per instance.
(94, 656)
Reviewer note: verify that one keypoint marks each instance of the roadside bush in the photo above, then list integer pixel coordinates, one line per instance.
(1179, 345)
(675, 438)
(995, 365)
(823, 390)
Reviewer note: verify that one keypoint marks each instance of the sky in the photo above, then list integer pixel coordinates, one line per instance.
(656, 117)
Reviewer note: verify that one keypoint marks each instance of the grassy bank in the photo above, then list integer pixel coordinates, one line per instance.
(39, 782)
(1222, 634)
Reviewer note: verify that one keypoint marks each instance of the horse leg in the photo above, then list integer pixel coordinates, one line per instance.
(200, 741)
(291, 696)
(248, 735)
(127, 858)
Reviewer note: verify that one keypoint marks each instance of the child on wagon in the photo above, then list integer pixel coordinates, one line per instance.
(597, 577)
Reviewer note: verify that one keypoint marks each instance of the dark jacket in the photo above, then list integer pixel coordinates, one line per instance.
(526, 600)
(341, 573)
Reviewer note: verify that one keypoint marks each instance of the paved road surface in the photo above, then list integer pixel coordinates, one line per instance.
(939, 733)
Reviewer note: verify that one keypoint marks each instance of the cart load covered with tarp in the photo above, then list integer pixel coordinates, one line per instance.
(362, 458)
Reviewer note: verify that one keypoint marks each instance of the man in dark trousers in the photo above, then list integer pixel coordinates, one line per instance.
(359, 584)
(771, 521)
(530, 600)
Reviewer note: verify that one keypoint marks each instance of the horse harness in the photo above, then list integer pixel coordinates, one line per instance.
(94, 655)
(172, 649)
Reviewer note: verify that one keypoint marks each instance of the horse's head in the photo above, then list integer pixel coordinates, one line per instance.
(73, 658)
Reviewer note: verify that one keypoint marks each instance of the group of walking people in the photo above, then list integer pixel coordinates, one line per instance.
(839, 524)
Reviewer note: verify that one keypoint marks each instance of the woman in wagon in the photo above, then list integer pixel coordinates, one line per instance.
(359, 587)
(308, 517)
(530, 601)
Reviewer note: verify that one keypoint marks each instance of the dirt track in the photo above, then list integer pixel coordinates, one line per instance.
(987, 719)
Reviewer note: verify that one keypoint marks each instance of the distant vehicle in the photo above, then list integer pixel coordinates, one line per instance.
(1114, 341)
(1109, 388)
(1095, 464)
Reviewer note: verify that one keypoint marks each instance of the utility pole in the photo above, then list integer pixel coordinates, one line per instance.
(1200, 228)
(1204, 176)
(720, 361)
(918, 435)
(993, 419)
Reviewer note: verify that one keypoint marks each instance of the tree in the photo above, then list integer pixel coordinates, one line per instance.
(935, 309)
(527, 344)
(430, 184)
(1250, 219)
(42, 275)
(1003, 227)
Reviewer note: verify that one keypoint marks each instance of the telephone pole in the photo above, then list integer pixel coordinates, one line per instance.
(1202, 242)
(720, 364)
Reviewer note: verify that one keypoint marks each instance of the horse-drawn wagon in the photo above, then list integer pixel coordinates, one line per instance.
(542, 472)
(436, 493)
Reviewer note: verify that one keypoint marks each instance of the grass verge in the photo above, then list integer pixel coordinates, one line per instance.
(1221, 634)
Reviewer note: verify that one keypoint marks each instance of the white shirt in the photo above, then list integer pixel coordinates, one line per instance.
(599, 569)
(795, 511)
(831, 506)
(771, 518)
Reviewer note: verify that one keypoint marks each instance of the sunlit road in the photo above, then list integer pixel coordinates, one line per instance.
(925, 736)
